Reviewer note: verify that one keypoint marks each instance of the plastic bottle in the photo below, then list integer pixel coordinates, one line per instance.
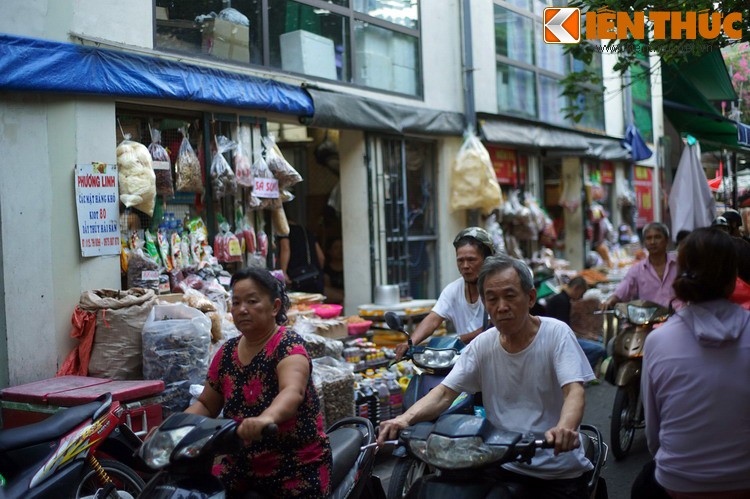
(396, 399)
(362, 407)
(384, 399)
(372, 401)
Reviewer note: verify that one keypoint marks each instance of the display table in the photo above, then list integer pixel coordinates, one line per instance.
(411, 313)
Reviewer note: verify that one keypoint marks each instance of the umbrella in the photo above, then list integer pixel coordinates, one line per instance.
(691, 204)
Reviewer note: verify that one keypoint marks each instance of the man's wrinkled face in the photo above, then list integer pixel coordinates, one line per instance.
(655, 242)
(469, 260)
(506, 301)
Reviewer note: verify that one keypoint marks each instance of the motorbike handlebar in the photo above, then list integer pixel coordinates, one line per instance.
(270, 431)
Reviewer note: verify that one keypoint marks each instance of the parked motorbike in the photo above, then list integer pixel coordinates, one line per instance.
(184, 447)
(467, 449)
(636, 320)
(73, 453)
(433, 361)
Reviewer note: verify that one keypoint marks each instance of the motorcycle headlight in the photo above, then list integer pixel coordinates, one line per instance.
(193, 449)
(640, 315)
(436, 358)
(456, 453)
(157, 449)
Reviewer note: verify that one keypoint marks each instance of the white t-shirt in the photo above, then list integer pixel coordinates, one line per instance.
(452, 305)
(522, 391)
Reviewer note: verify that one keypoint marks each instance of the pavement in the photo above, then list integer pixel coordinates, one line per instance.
(619, 475)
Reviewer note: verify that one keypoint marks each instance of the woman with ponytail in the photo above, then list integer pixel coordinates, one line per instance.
(696, 380)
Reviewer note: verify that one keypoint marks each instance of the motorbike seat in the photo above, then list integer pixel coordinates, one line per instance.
(345, 448)
(49, 429)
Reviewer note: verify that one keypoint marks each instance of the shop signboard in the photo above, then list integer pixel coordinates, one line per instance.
(607, 170)
(643, 186)
(97, 204)
(506, 165)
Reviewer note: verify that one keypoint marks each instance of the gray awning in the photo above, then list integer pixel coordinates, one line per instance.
(514, 133)
(337, 110)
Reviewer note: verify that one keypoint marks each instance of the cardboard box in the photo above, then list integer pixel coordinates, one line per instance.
(330, 328)
(226, 40)
(162, 14)
(33, 402)
(308, 53)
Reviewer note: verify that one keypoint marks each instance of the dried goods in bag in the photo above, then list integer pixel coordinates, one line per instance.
(162, 165)
(279, 166)
(260, 171)
(137, 182)
(473, 180)
(243, 167)
(223, 180)
(188, 167)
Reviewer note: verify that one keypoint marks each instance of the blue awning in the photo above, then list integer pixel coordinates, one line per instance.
(34, 65)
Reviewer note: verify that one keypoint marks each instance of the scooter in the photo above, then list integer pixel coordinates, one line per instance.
(467, 450)
(70, 455)
(434, 361)
(637, 319)
(184, 446)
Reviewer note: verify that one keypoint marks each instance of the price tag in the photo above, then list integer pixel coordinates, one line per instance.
(266, 188)
(150, 275)
(160, 165)
(234, 248)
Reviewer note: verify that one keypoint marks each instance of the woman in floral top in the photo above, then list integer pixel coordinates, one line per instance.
(264, 377)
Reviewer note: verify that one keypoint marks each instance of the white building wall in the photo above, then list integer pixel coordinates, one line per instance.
(485, 71)
(130, 23)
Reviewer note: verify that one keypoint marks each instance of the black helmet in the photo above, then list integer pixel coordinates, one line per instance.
(733, 217)
(478, 234)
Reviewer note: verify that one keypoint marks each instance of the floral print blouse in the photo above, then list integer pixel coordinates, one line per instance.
(296, 463)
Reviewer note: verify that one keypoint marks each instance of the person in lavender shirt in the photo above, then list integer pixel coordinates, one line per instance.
(650, 279)
(695, 389)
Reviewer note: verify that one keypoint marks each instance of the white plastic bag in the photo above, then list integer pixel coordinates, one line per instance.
(473, 180)
(136, 177)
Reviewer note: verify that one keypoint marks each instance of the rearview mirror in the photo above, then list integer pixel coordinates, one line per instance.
(394, 321)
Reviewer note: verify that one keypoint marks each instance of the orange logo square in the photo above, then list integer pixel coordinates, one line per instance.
(562, 25)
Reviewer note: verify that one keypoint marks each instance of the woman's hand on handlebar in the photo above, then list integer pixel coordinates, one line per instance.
(563, 439)
(251, 429)
(390, 429)
(400, 350)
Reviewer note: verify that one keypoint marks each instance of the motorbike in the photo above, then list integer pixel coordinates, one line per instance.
(183, 449)
(433, 361)
(466, 450)
(74, 453)
(636, 320)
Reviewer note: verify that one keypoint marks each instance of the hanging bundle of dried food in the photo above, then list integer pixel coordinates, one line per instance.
(162, 165)
(136, 176)
(188, 167)
(223, 180)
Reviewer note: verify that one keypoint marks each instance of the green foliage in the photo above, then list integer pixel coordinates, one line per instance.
(631, 51)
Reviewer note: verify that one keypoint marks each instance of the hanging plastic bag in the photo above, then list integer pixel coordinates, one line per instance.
(242, 167)
(188, 167)
(260, 170)
(143, 271)
(279, 166)
(135, 173)
(473, 181)
(162, 165)
(279, 222)
(223, 179)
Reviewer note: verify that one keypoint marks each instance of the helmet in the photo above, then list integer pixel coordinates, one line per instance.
(719, 222)
(733, 217)
(479, 234)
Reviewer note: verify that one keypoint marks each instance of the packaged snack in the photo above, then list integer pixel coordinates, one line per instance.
(162, 165)
(243, 167)
(279, 166)
(188, 167)
(135, 174)
(223, 179)
(162, 237)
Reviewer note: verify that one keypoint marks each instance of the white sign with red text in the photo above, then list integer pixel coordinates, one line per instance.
(97, 203)
(266, 188)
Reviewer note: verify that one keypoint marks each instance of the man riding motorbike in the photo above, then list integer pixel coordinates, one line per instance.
(531, 372)
(459, 302)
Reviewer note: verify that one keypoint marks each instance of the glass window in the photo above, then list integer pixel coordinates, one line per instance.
(593, 111)
(516, 90)
(551, 103)
(386, 59)
(642, 117)
(551, 56)
(640, 83)
(513, 35)
(540, 5)
(310, 41)
(521, 4)
(189, 27)
(401, 12)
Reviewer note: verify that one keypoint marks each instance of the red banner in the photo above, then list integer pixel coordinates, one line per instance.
(607, 170)
(506, 165)
(644, 197)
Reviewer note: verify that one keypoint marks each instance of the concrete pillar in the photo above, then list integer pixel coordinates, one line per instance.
(574, 249)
